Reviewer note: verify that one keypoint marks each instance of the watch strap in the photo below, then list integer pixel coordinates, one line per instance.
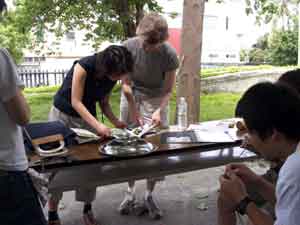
(242, 206)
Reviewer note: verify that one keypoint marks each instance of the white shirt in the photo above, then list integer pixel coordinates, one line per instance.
(288, 191)
(12, 151)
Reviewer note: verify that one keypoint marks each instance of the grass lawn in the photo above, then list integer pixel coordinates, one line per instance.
(209, 72)
(213, 106)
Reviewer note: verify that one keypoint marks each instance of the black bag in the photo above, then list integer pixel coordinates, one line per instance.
(39, 130)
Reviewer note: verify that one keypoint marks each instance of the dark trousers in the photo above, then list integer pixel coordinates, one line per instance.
(19, 204)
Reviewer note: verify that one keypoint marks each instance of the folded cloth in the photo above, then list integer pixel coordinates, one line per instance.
(40, 183)
(39, 130)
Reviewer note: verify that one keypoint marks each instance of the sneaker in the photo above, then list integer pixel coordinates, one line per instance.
(139, 208)
(89, 218)
(153, 209)
(127, 204)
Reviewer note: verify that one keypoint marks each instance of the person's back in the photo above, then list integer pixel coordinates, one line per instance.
(18, 197)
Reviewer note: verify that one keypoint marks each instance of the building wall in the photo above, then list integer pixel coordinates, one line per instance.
(226, 29)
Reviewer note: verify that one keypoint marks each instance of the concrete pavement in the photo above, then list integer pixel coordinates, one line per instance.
(182, 197)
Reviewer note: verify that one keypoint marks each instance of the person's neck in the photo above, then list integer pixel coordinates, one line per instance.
(289, 148)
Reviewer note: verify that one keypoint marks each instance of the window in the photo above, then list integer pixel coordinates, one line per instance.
(227, 23)
(231, 56)
(211, 55)
(210, 22)
(70, 36)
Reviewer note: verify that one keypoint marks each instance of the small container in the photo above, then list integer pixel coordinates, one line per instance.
(182, 114)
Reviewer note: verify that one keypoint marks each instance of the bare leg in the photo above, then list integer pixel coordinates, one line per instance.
(152, 207)
(131, 187)
(127, 204)
(53, 218)
(150, 186)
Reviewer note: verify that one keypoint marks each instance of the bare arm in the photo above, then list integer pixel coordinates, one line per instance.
(262, 186)
(257, 216)
(127, 90)
(266, 189)
(168, 87)
(107, 111)
(78, 84)
(18, 109)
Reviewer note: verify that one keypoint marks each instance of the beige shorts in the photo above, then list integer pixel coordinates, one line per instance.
(83, 194)
(146, 107)
(69, 121)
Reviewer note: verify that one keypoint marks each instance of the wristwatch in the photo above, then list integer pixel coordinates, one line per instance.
(242, 206)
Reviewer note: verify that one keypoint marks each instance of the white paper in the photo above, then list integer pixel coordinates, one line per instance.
(213, 136)
(215, 131)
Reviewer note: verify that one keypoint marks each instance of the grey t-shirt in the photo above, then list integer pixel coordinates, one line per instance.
(12, 152)
(288, 192)
(150, 67)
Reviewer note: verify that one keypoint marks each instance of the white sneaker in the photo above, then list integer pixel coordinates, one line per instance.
(127, 204)
(152, 207)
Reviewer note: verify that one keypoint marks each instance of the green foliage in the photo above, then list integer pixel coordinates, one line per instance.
(283, 47)
(232, 69)
(278, 48)
(40, 105)
(258, 54)
(244, 55)
(42, 89)
(12, 38)
(275, 11)
(106, 19)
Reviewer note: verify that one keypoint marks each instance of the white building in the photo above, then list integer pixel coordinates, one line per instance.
(58, 54)
(227, 29)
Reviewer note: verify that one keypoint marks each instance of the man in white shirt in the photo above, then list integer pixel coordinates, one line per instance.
(19, 201)
(271, 114)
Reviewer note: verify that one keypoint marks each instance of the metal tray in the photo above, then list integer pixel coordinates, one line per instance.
(118, 148)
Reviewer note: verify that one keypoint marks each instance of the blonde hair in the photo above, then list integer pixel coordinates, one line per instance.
(154, 28)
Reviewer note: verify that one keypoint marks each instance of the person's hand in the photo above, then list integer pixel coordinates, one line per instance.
(103, 130)
(244, 173)
(136, 118)
(156, 119)
(120, 124)
(232, 190)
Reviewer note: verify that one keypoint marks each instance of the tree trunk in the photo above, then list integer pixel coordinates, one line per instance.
(123, 10)
(191, 48)
(139, 12)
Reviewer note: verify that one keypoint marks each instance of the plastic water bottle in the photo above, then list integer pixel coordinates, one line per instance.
(182, 114)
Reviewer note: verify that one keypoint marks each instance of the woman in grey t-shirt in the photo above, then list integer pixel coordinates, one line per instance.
(147, 91)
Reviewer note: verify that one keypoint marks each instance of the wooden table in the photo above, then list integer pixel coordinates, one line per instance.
(86, 166)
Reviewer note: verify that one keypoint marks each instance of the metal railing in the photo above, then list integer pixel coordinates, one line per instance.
(36, 78)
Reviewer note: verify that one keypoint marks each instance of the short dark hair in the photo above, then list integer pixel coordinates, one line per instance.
(2, 5)
(266, 106)
(115, 59)
(291, 78)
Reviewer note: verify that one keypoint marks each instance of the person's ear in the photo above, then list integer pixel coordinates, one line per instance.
(276, 135)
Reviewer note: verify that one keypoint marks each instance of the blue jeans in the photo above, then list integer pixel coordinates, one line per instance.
(19, 204)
